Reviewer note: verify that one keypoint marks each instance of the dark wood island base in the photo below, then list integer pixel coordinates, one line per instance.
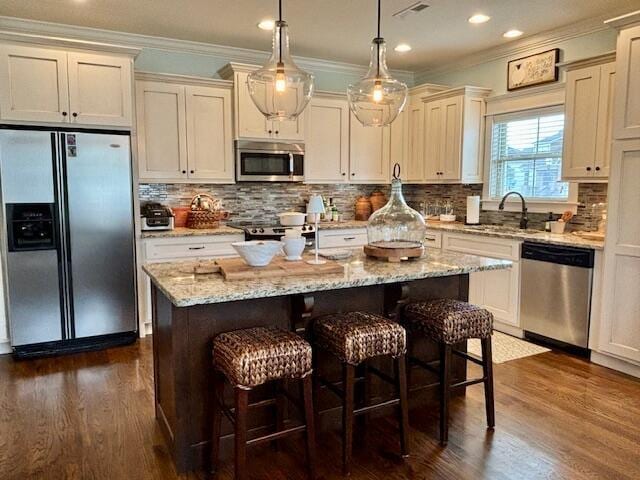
(182, 354)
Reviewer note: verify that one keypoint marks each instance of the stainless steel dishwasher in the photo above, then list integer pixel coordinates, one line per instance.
(556, 293)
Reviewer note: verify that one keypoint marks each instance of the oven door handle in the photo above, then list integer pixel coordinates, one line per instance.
(290, 165)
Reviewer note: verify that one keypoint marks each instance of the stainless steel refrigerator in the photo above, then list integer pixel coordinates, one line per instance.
(68, 243)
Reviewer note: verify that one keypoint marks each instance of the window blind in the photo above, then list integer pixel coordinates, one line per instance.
(526, 154)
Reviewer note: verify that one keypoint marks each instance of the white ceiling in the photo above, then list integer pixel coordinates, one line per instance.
(329, 29)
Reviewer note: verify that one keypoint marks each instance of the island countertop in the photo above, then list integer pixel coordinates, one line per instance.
(184, 288)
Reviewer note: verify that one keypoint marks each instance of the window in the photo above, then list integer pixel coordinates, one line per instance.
(526, 155)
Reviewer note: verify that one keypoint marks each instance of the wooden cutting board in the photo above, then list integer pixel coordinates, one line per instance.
(237, 269)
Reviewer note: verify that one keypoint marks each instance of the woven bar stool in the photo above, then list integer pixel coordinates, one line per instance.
(251, 357)
(449, 322)
(354, 338)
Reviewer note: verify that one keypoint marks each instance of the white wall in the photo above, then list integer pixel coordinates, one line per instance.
(493, 74)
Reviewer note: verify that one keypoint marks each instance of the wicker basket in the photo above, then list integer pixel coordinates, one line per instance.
(205, 212)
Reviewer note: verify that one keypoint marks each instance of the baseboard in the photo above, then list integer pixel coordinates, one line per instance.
(615, 364)
(508, 329)
(5, 347)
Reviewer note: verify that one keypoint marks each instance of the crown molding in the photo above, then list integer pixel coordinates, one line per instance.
(182, 79)
(140, 42)
(526, 99)
(624, 20)
(588, 61)
(518, 47)
(454, 92)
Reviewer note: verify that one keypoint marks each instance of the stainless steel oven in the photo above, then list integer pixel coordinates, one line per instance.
(269, 162)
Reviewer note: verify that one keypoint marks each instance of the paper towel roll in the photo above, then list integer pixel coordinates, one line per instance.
(473, 209)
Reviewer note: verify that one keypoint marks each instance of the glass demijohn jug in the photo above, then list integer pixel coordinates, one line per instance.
(396, 225)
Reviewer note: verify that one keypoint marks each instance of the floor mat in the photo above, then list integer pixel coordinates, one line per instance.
(505, 348)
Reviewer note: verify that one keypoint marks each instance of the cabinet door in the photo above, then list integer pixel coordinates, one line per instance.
(626, 122)
(209, 138)
(368, 153)
(451, 138)
(499, 292)
(327, 144)
(433, 132)
(398, 142)
(581, 122)
(289, 129)
(161, 131)
(414, 165)
(605, 120)
(33, 84)
(620, 330)
(250, 122)
(100, 89)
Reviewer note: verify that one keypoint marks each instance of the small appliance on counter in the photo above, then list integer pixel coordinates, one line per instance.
(156, 217)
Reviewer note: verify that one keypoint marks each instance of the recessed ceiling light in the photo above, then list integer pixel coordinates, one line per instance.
(512, 34)
(267, 24)
(403, 47)
(479, 18)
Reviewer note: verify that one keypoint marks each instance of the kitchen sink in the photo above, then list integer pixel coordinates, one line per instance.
(499, 228)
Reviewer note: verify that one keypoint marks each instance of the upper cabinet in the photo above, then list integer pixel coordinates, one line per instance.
(627, 119)
(327, 142)
(250, 123)
(453, 126)
(54, 86)
(589, 101)
(369, 153)
(184, 130)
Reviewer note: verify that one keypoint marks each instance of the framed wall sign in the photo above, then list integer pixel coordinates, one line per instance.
(533, 70)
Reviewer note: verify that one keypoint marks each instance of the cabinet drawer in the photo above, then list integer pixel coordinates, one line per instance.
(342, 238)
(181, 247)
(433, 239)
(480, 245)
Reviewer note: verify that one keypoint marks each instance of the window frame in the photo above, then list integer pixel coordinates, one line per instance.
(513, 204)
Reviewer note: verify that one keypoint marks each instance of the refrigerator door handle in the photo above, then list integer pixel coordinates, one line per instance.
(60, 141)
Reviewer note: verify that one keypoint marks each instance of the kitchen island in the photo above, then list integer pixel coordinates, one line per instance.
(190, 309)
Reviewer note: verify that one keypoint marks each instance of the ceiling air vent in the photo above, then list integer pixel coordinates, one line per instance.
(411, 9)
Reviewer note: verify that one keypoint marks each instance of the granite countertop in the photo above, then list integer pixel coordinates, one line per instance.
(191, 232)
(184, 288)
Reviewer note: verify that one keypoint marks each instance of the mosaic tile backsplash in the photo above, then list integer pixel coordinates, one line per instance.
(261, 202)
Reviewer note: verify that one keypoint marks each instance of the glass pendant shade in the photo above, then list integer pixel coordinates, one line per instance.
(280, 89)
(377, 99)
(396, 225)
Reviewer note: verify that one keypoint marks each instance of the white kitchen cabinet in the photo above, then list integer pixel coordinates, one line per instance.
(166, 249)
(161, 130)
(209, 134)
(184, 130)
(5, 343)
(369, 153)
(588, 121)
(250, 123)
(54, 86)
(496, 290)
(413, 170)
(626, 123)
(100, 89)
(453, 135)
(327, 143)
(342, 238)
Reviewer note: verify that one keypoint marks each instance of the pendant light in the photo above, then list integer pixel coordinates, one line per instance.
(280, 89)
(378, 98)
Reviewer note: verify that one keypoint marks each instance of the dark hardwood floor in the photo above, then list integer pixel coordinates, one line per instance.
(90, 416)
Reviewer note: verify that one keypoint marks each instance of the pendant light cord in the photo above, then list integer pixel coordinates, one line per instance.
(378, 43)
(280, 31)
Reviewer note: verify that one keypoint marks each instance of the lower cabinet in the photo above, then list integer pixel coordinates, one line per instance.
(496, 290)
(168, 249)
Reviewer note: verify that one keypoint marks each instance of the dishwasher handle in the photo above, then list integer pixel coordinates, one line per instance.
(563, 255)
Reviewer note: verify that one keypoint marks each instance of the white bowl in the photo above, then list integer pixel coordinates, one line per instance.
(293, 247)
(292, 219)
(257, 253)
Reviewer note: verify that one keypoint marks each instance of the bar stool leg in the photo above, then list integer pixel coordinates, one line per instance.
(445, 382)
(309, 414)
(487, 370)
(216, 419)
(400, 365)
(317, 385)
(242, 402)
(348, 377)
(280, 408)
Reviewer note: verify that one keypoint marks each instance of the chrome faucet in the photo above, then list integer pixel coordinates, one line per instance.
(523, 217)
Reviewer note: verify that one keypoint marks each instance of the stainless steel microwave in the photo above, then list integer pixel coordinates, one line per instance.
(269, 162)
